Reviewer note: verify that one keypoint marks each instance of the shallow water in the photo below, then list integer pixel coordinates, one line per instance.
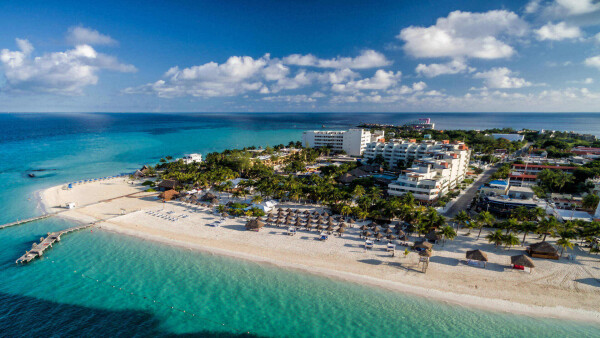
(70, 291)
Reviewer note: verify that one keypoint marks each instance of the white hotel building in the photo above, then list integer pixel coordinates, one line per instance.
(353, 141)
(437, 166)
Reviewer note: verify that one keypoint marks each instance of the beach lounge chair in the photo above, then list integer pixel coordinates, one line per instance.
(323, 237)
(391, 247)
(291, 231)
(368, 244)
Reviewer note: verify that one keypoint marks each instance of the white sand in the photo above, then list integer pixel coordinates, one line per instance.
(562, 288)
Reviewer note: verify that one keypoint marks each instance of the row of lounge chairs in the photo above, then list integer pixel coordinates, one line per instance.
(169, 216)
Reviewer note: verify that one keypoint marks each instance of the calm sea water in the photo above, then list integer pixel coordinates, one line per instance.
(101, 284)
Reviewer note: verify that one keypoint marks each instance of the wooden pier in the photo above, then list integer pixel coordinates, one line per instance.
(37, 249)
(19, 222)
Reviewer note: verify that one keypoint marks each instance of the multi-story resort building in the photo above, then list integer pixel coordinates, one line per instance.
(192, 158)
(436, 166)
(526, 174)
(353, 141)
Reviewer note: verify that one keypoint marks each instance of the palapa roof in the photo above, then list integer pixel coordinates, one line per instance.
(168, 184)
(346, 178)
(378, 235)
(477, 255)
(351, 221)
(543, 247)
(330, 228)
(391, 237)
(424, 245)
(254, 224)
(341, 230)
(433, 236)
(522, 260)
(168, 195)
(208, 196)
(400, 233)
(364, 227)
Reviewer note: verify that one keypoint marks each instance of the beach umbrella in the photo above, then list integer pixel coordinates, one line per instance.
(477, 255)
(351, 221)
(288, 210)
(388, 231)
(330, 223)
(330, 219)
(325, 214)
(298, 224)
(320, 221)
(378, 236)
(225, 214)
(400, 233)
(391, 237)
(319, 227)
(341, 230)
(329, 228)
(522, 260)
(306, 212)
(316, 213)
(342, 225)
(364, 228)
(367, 234)
(309, 226)
(377, 229)
(288, 222)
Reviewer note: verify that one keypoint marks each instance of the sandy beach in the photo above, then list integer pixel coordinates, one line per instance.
(561, 289)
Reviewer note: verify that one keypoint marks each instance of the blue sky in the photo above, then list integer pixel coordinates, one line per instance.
(300, 56)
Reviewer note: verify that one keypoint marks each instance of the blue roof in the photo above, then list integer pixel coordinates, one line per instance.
(498, 182)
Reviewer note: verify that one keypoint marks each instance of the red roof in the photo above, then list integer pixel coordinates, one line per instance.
(541, 166)
(522, 176)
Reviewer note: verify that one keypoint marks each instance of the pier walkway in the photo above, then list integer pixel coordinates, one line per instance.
(19, 222)
(37, 249)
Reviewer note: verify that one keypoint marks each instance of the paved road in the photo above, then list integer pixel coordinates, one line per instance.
(463, 201)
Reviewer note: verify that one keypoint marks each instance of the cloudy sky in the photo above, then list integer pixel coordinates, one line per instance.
(277, 56)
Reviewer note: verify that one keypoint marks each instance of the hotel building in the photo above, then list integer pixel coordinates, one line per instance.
(353, 141)
(436, 166)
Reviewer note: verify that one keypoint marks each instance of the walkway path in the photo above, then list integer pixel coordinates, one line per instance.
(464, 201)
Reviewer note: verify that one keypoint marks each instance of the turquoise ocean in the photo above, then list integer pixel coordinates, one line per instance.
(96, 283)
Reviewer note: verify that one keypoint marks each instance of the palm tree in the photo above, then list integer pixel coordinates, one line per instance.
(527, 227)
(547, 226)
(447, 232)
(510, 239)
(564, 243)
(484, 218)
(358, 191)
(510, 225)
(462, 218)
(345, 210)
(256, 199)
(495, 237)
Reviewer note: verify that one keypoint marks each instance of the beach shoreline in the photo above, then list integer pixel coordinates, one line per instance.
(330, 262)
(464, 300)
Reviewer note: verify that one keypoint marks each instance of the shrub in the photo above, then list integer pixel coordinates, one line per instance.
(149, 183)
(151, 190)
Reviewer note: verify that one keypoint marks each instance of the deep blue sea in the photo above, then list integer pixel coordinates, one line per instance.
(101, 284)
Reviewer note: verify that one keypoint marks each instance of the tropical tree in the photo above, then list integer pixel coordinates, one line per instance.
(495, 237)
(484, 218)
(526, 228)
(547, 226)
(447, 232)
(257, 199)
(462, 218)
(564, 243)
(510, 239)
(590, 201)
(358, 191)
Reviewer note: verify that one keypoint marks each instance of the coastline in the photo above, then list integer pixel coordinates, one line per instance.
(465, 300)
(438, 286)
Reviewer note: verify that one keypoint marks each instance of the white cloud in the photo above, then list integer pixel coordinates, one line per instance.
(586, 81)
(65, 73)
(80, 35)
(338, 76)
(380, 81)
(436, 69)
(593, 62)
(533, 6)
(366, 59)
(501, 78)
(465, 34)
(237, 75)
(597, 37)
(557, 32)
(577, 7)
(290, 98)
